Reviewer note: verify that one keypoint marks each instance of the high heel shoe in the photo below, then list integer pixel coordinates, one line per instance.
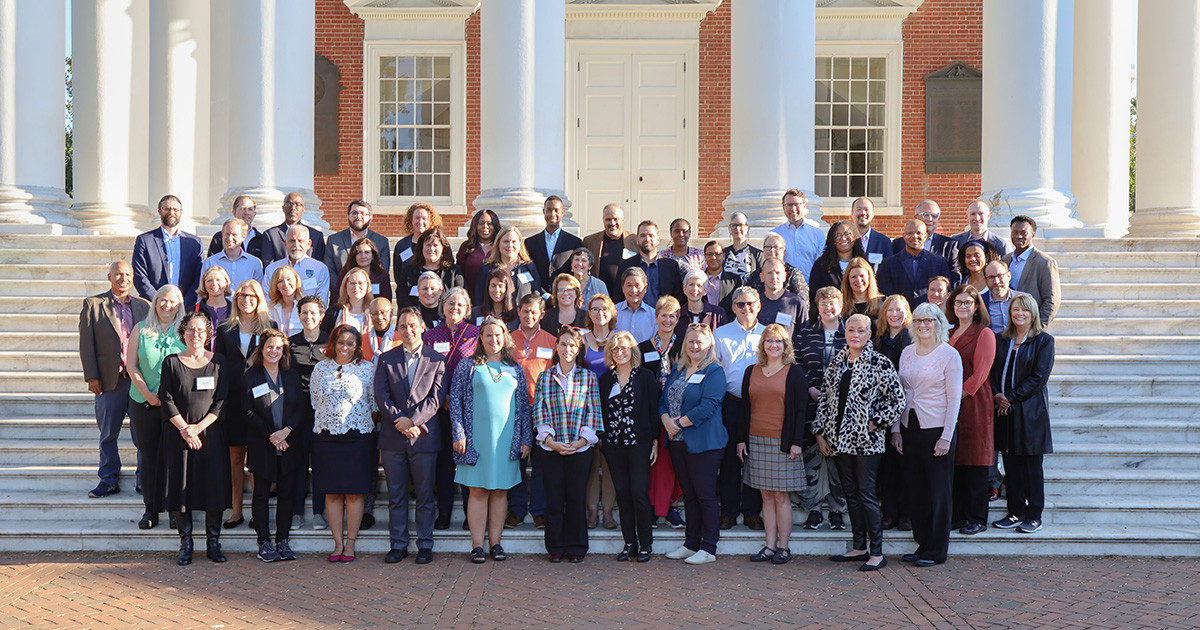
(626, 553)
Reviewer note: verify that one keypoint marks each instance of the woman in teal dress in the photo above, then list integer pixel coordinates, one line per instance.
(491, 425)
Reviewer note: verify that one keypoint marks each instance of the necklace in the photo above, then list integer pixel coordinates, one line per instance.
(495, 374)
(768, 373)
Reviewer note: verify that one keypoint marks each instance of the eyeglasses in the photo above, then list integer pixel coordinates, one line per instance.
(924, 321)
(291, 204)
(994, 276)
(745, 304)
(597, 309)
(964, 302)
(713, 254)
(773, 341)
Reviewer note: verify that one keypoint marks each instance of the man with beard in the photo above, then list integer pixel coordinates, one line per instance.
(167, 255)
(314, 275)
(662, 274)
(269, 246)
(610, 246)
(337, 248)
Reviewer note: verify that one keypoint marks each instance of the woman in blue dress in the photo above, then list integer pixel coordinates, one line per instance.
(491, 425)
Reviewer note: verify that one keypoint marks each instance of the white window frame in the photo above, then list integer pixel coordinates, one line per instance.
(456, 202)
(889, 204)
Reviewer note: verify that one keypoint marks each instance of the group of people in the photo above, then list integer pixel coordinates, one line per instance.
(561, 378)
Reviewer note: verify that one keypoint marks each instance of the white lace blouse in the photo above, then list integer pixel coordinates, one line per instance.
(343, 397)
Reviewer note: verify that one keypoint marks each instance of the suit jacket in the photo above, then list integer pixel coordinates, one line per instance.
(943, 246)
(270, 244)
(894, 276)
(550, 264)
(216, 244)
(997, 241)
(877, 243)
(100, 337)
(1039, 278)
(419, 403)
(1025, 429)
(337, 250)
(260, 453)
(670, 278)
(594, 243)
(150, 265)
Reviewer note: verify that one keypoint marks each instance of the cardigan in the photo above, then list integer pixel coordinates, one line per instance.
(795, 409)
(702, 405)
(875, 396)
(645, 401)
(462, 414)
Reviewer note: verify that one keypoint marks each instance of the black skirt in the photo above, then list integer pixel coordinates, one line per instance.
(344, 464)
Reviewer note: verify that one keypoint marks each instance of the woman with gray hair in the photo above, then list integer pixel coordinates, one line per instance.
(931, 373)
(150, 342)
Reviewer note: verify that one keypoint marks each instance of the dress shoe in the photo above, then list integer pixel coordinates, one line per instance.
(873, 567)
(368, 521)
(973, 528)
(539, 522)
(442, 522)
(726, 522)
(782, 556)
(958, 524)
(856, 558)
(556, 557)
(233, 522)
(104, 489)
(593, 519)
(424, 556)
(148, 521)
(764, 555)
(512, 521)
(644, 555)
(395, 555)
(923, 562)
(993, 494)
(626, 552)
(609, 522)
(575, 558)
(910, 557)
(754, 522)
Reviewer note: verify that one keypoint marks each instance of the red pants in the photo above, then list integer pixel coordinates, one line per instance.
(664, 489)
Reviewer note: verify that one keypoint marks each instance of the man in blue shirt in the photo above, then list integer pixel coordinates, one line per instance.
(633, 314)
(804, 237)
(551, 248)
(999, 294)
(240, 265)
(167, 255)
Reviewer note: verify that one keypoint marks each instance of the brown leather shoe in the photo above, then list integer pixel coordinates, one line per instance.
(755, 523)
(512, 521)
(539, 522)
(726, 522)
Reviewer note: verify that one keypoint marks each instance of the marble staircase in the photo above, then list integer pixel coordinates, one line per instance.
(1126, 420)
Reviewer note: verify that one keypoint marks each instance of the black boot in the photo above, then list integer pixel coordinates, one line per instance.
(212, 530)
(183, 522)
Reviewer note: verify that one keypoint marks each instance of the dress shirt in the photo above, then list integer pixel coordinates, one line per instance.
(171, 245)
(998, 309)
(289, 321)
(314, 275)
(651, 269)
(124, 311)
(1017, 266)
(244, 267)
(932, 387)
(804, 244)
(737, 349)
(551, 243)
(639, 322)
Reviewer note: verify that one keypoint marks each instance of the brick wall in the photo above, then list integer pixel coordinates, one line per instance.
(340, 39)
(714, 119)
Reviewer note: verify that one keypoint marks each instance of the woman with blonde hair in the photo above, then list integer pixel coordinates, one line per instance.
(213, 295)
(509, 254)
(566, 301)
(353, 307)
(891, 338)
(860, 293)
(284, 292)
(601, 315)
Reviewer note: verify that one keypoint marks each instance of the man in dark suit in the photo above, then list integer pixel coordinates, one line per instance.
(167, 255)
(979, 214)
(610, 246)
(908, 272)
(105, 324)
(662, 274)
(929, 213)
(1032, 270)
(551, 248)
(410, 386)
(876, 245)
(337, 248)
(245, 209)
(270, 246)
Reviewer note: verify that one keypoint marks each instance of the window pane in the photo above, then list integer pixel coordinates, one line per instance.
(441, 91)
(441, 161)
(841, 67)
(875, 139)
(407, 186)
(387, 139)
(424, 185)
(823, 114)
(441, 114)
(874, 163)
(858, 115)
(405, 90)
(387, 90)
(405, 67)
(875, 186)
(404, 139)
(822, 163)
(424, 114)
(878, 68)
(841, 115)
(837, 187)
(858, 139)
(424, 67)
(841, 91)
(822, 142)
(858, 92)
(441, 185)
(441, 66)
(414, 125)
(823, 65)
(858, 186)
(839, 139)
(387, 185)
(424, 138)
(441, 139)
(875, 115)
(387, 67)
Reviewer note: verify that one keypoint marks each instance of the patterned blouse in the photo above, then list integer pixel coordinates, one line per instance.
(343, 397)
(620, 422)
(675, 402)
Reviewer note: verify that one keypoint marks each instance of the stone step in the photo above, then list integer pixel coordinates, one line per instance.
(1116, 307)
(1127, 345)
(29, 341)
(1148, 260)
(68, 242)
(43, 382)
(44, 360)
(1119, 365)
(1058, 246)
(1173, 457)
(59, 452)
(1119, 387)
(39, 323)
(63, 271)
(1167, 289)
(1128, 409)
(78, 403)
(56, 287)
(1130, 275)
(40, 304)
(1122, 430)
(1136, 483)
(1169, 324)
(1132, 511)
(40, 255)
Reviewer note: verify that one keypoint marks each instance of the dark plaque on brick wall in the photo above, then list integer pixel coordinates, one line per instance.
(953, 119)
(325, 137)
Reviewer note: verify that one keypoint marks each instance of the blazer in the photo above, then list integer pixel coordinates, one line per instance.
(337, 250)
(713, 315)
(216, 244)
(270, 244)
(228, 344)
(100, 337)
(1039, 278)
(702, 405)
(670, 279)
(150, 265)
(550, 264)
(260, 453)
(877, 243)
(941, 245)
(997, 241)
(594, 243)
(795, 409)
(1025, 429)
(875, 396)
(462, 413)
(894, 276)
(645, 402)
(419, 403)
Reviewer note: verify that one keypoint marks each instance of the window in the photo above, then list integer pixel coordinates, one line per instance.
(852, 111)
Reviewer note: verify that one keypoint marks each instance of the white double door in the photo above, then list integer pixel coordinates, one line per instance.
(632, 133)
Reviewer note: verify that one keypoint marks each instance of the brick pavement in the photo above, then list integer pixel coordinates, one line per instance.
(147, 590)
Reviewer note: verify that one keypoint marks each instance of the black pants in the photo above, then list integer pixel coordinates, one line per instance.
(565, 479)
(444, 487)
(970, 494)
(285, 497)
(1026, 486)
(736, 497)
(697, 476)
(893, 492)
(930, 489)
(303, 442)
(858, 474)
(147, 423)
(630, 470)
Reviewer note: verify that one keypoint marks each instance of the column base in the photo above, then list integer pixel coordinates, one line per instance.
(520, 207)
(269, 202)
(1051, 208)
(35, 205)
(1164, 222)
(764, 211)
(114, 218)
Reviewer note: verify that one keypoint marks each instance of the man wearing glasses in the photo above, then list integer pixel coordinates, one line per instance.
(929, 213)
(737, 349)
(270, 244)
(804, 238)
(742, 260)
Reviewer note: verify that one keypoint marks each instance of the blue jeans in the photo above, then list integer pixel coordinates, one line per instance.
(529, 496)
(111, 408)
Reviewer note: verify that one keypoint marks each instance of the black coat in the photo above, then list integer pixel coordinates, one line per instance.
(1025, 429)
(260, 453)
(271, 246)
(796, 414)
(654, 364)
(670, 279)
(228, 344)
(645, 397)
(550, 264)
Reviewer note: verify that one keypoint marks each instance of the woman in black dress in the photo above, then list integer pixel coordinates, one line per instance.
(308, 349)
(195, 455)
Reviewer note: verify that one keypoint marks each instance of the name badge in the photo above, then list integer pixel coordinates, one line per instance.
(874, 258)
(442, 347)
(629, 253)
(783, 319)
(615, 390)
(545, 353)
(696, 318)
(413, 291)
(651, 356)
(479, 320)
(696, 378)
(405, 255)
(375, 289)
(260, 391)
(206, 383)
(309, 284)
(525, 277)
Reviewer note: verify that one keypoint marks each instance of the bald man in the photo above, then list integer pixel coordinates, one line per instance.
(270, 247)
(610, 246)
(979, 214)
(929, 213)
(909, 271)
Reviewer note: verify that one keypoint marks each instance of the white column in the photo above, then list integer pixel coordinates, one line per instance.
(109, 117)
(1168, 119)
(772, 78)
(32, 49)
(271, 104)
(1104, 39)
(1026, 156)
(519, 66)
(179, 116)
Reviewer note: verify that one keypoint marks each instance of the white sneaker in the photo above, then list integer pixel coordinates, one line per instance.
(680, 553)
(701, 557)
(319, 522)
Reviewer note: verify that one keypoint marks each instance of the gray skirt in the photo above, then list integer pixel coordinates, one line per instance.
(768, 468)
